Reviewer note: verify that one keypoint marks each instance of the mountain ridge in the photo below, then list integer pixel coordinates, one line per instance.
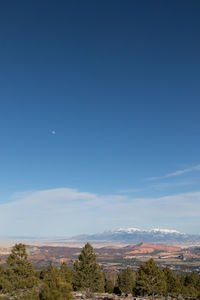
(134, 235)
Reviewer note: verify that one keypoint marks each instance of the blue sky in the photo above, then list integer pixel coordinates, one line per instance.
(118, 82)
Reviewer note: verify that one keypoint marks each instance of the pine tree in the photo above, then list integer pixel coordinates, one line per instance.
(66, 273)
(109, 286)
(127, 281)
(54, 285)
(191, 285)
(4, 281)
(173, 285)
(87, 273)
(20, 272)
(150, 280)
(111, 279)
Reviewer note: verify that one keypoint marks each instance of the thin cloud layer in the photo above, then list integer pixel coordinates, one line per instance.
(176, 173)
(66, 212)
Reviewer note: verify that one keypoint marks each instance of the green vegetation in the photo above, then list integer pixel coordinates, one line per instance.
(111, 279)
(87, 273)
(19, 279)
(150, 279)
(126, 281)
(55, 284)
(173, 284)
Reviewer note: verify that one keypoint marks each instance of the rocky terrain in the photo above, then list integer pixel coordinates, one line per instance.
(115, 257)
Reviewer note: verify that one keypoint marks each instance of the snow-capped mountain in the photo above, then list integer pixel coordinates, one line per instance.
(157, 230)
(136, 235)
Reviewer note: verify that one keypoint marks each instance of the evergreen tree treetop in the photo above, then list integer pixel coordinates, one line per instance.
(18, 254)
(20, 274)
(150, 279)
(87, 273)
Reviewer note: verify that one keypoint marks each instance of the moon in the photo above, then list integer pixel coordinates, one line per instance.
(53, 132)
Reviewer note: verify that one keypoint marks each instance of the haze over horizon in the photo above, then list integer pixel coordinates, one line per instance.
(99, 116)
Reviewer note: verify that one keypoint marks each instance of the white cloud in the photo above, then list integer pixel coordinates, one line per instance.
(65, 212)
(176, 173)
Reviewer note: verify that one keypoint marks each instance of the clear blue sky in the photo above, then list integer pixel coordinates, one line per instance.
(119, 83)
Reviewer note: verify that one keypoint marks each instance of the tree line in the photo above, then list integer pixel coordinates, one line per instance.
(18, 279)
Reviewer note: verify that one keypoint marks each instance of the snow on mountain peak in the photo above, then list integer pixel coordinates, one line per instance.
(165, 231)
(154, 230)
(128, 230)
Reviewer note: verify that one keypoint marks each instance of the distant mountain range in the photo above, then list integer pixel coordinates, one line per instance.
(118, 237)
(135, 236)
